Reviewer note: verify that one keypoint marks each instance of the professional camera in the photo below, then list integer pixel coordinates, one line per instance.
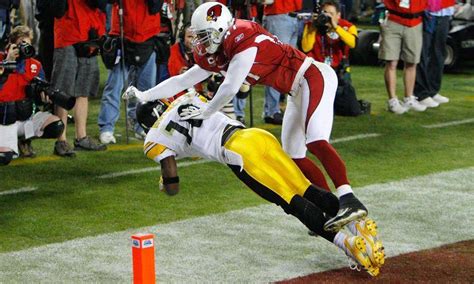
(8, 66)
(26, 50)
(58, 97)
(321, 20)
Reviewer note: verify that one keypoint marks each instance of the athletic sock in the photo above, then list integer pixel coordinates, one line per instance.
(312, 172)
(327, 201)
(343, 190)
(332, 162)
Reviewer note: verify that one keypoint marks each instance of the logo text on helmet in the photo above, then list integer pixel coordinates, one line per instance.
(213, 13)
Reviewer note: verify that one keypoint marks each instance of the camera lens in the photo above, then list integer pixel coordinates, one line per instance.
(26, 50)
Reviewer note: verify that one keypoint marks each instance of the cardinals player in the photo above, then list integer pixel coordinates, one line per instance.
(246, 53)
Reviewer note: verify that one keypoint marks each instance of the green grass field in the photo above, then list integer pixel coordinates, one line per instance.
(70, 201)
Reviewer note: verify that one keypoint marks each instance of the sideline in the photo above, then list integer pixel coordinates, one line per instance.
(258, 244)
(450, 123)
(19, 190)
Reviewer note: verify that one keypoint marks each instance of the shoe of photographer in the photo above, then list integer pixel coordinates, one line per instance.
(62, 148)
(25, 149)
(277, 119)
(88, 144)
(107, 137)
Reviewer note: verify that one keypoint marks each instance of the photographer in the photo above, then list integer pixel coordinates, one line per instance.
(18, 112)
(328, 39)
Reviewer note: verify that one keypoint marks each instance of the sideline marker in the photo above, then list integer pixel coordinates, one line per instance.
(143, 253)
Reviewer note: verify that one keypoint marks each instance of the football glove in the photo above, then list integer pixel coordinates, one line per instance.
(130, 93)
(193, 112)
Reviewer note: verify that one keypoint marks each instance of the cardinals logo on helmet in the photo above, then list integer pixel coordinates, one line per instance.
(214, 12)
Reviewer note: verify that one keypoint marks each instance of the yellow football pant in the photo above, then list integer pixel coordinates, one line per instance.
(268, 170)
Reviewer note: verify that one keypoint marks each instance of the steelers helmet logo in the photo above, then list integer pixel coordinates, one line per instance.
(214, 12)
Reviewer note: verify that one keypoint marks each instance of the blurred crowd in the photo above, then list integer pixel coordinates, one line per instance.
(51, 52)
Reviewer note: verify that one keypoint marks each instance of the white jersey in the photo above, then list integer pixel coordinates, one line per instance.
(183, 139)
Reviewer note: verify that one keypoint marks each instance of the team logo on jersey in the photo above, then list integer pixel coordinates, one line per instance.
(214, 12)
(34, 68)
(239, 37)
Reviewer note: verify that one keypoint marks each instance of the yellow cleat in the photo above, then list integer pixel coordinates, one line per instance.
(356, 249)
(375, 250)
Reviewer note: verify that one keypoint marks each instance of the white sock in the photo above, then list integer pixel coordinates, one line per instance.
(339, 240)
(352, 227)
(343, 190)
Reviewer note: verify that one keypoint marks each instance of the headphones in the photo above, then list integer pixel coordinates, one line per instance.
(182, 31)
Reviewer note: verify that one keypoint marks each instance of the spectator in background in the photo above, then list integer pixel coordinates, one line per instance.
(329, 42)
(402, 35)
(430, 70)
(141, 25)
(19, 119)
(6, 6)
(181, 55)
(78, 25)
(278, 22)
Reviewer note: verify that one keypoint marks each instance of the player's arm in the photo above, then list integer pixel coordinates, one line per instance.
(171, 86)
(169, 173)
(239, 68)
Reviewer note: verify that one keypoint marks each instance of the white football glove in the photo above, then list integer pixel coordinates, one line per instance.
(193, 112)
(130, 93)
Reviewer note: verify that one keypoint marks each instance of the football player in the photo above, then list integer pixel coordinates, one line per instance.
(247, 53)
(257, 159)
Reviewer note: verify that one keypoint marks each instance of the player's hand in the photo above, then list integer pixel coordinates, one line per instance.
(192, 112)
(130, 93)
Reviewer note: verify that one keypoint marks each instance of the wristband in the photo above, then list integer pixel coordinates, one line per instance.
(170, 180)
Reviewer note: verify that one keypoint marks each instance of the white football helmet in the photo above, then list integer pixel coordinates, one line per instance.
(210, 22)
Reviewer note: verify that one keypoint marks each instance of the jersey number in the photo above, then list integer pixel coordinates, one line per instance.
(183, 130)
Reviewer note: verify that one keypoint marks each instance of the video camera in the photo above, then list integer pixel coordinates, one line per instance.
(38, 85)
(26, 50)
(318, 18)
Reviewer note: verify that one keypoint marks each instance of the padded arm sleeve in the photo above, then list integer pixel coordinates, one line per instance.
(239, 68)
(176, 84)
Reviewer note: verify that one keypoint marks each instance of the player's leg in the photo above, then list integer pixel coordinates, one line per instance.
(293, 142)
(317, 95)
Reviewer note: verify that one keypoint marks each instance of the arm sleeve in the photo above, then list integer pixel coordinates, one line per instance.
(176, 84)
(239, 68)
(349, 36)
(308, 39)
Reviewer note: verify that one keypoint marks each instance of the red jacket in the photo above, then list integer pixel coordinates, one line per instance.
(138, 24)
(14, 88)
(411, 16)
(75, 25)
(283, 7)
(324, 47)
(437, 5)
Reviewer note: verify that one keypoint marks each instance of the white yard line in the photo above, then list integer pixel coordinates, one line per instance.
(450, 123)
(258, 244)
(19, 190)
(354, 137)
(185, 164)
(149, 169)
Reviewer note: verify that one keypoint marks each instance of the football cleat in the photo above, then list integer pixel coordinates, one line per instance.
(350, 209)
(356, 249)
(375, 250)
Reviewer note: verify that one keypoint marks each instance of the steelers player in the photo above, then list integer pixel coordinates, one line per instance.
(257, 159)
